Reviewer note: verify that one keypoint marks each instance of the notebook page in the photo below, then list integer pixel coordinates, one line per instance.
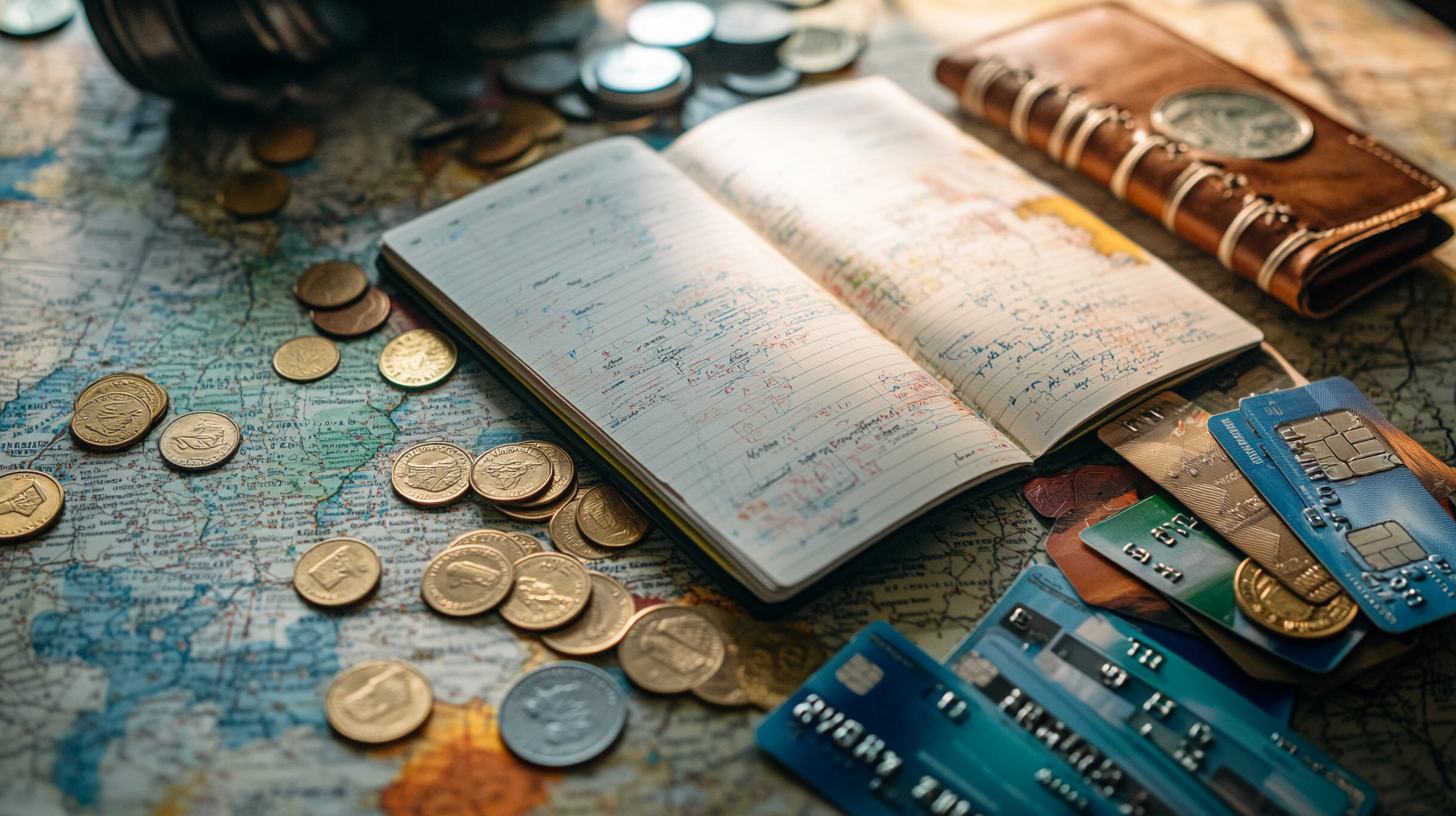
(1039, 314)
(790, 431)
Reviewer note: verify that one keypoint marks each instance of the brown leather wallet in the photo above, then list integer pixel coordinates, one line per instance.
(1317, 228)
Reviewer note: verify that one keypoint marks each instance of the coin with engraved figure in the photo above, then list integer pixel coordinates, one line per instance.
(567, 537)
(466, 580)
(305, 359)
(111, 421)
(418, 359)
(538, 515)
(143, 388)
(30, 502)
(670, 649)
(774, 660)
(563, 474)
(432, 475)
(338, 572)
(562, 714)
(609, 520)
(601, 625)
(379, 701)
(511, 473)
(514, 546)
(1238, 122)
(551, 590)
(723, 688)
(1275, 607)
(199, 440)
(330, 284)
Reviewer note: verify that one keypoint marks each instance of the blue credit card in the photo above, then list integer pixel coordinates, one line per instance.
(884, 730)
(1234, 751)
(1360, 510)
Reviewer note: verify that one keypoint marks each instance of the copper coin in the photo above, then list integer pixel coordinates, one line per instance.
(255, 193)
(360, 317)
(499, 144)
(143, 388)
(540, 121)
(330, 284)
(284, 143)
(111, 421)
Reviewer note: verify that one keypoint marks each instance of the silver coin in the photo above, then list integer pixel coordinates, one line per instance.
(1241, 123)
(562, 714)
(774, 82)
(543, 73)
(638, 77)
(821, 49)
(752, 23)
(27, 18)
(574, 106)
(671, 23)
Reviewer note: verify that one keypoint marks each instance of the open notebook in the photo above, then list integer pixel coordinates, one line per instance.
(811, 319)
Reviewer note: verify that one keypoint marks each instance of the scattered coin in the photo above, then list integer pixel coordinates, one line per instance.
(199, 440)
(602, 624)
(575, 106)
(752, 23)
(723, 688)
(542, 73)
(511, 473)
(143, 388)
(562, 714)
(540, 121)
(1271, 604)
(514, 546)
(671, 23)
(774, 660)
(330, 284)
(29, 18)
(432, 475)
(567, 537)
(498, 145)
(671, 649)
(551, 590)
(563, 473)
(533, 154)
(111, 421)
(30, 502)
(418, 359)
(638, 77)
(305, 359)
(820, 49)
(537, 515)
(360, 317)
(608, 520)
(441, 130)
(338, 572)
(284, 143)
(379, 701)
(255, 193)
(776, 81)
(466, 580)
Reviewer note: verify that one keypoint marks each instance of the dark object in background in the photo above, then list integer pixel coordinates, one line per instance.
(1443, 10)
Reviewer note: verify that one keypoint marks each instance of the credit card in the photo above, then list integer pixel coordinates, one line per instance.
(1168, 439)
(1161, 544)
(884, 730)
(1246, 760)
(1314, 453)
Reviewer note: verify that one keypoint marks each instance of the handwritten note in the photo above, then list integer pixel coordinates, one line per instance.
(1038, 313)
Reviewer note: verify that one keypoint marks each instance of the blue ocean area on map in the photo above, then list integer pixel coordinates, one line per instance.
(258, 689)
(18, 170)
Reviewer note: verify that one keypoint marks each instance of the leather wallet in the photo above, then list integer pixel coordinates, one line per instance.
(1314, 213)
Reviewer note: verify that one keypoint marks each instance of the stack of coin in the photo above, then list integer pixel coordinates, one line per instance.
(515, 142)
(527, 481)
(116, 411)
(341, 301)
(597, 525)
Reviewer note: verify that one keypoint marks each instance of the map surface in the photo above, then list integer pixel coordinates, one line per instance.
(155, 658)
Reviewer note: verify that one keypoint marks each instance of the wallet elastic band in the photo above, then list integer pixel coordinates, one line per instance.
(1095, 118)
(1123, 173)
(1192, 174)
(978, 81)
(1251, 212)
(1021, 109)
(1281, 253)
(1077, 107)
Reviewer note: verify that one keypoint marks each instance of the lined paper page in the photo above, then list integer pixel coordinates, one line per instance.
(776, 418)
(1039, 314)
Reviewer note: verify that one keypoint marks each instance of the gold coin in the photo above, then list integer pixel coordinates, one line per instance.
(537, 515)
(432, 474)
(143, 388)
(551, 590)
(540, 121)
(1271, 604)
(30, 502)
(330, 284)
(418, 359)
(338, 572)
(723, 688)
(514, 546)
(284, 143)
(511, 473)
(602, 624)
(379, 701)
(563, 474)
(533, 154)
(774, 660)
(466, 580)
(199, 440)
(671, 649)
(305, 359)
(609, 520)
(255, 193)
(360, 317)
(567, 537)
(111, 421)
(497, 145)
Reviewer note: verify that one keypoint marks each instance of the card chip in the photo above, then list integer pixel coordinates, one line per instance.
(1337, 445)
(859, 675)
(1385, 546)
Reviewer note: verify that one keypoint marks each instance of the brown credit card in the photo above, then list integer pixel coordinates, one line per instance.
(1167, 438)
(1079, 499)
